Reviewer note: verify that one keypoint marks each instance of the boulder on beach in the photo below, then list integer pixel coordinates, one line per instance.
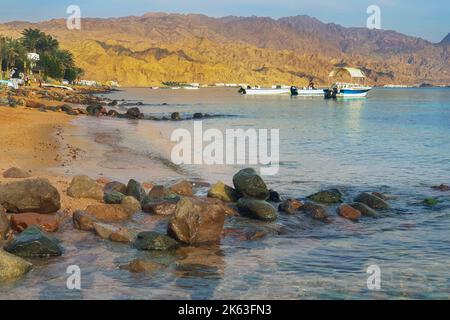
(316, 211)
(135, 189)
(327, 196)
(47, 222)
(249, 184)
(113, 197)
(372, 201)
(223, 192)
(364, 209)
(33, 195)
(290, 206)
(83, 221)
(95, 110)
(34, 104)
(104, 230)
(182, 188)
(4, 224)
(150, 240)
(257, 209)
(197, 220)
(16, 173)
(131, 205)
(348, 212)
(108, 212)
(33, 242)
(115, 186)
(12, 267)
(85, 187)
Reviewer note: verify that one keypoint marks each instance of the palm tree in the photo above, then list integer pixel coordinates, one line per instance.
(14, 51)
(2, 54)
(47, 44)
(31, 38)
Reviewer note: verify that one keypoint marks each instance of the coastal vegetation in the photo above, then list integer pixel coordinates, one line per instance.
(54, 62)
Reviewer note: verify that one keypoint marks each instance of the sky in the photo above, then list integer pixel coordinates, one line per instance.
(426, 19)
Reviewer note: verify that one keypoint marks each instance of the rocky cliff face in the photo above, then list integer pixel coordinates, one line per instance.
(153, 48)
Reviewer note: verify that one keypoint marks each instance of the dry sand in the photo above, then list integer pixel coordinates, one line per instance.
(31, 140)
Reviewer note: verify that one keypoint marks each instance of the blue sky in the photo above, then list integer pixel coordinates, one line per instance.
(427, 19)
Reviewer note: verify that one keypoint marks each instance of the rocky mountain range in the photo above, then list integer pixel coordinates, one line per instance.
(158, 47)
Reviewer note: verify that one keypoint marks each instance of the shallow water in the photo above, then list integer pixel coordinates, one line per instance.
(397, 141)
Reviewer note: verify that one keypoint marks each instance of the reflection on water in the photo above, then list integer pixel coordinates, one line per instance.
(396, 142)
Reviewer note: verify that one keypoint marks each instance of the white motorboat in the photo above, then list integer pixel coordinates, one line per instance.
(309, 92)
(264, 91)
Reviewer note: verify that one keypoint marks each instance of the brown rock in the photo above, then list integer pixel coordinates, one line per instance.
(104, 230)
(83, 221)
(108, 212)
(316, 211)
(442, 187)
(47, 222)
(348, 212)
(290, 206)
(85, 187)
(182, 188)
(131, 205)
(34, 104)
(122, 235)
(223, 192)
(197, 220)
(16, 173)
(163, 208)
(139, 265)
(159, 191)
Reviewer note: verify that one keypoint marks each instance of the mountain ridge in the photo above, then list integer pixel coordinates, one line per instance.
(158, 47)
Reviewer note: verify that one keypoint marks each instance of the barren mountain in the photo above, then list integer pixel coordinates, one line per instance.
(157, 47)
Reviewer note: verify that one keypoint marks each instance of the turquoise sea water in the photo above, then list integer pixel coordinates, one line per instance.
(397, 141)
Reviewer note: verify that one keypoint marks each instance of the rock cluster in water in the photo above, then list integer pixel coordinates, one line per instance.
(29, 212)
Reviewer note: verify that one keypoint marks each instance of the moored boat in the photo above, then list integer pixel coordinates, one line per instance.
(264, 91)
(348, 90)
(310, 92)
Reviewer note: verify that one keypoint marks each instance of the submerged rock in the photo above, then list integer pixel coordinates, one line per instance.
(175, 116)
(33, 195)
(316, 211)
(249, 184)
(83, 221)
(134, 113)
(290, 206)
(364, 209)
(135, 189)
(372, 201)
(197, 220)
(16, 173)
(257, 209)
(47, 222)
(12, 267)
(327, 196)
(431, 201)
(442, 187)
(223, 192)
(139, 265)
(85, 187)
(348, 212)
(150, 240)
(34, 243)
